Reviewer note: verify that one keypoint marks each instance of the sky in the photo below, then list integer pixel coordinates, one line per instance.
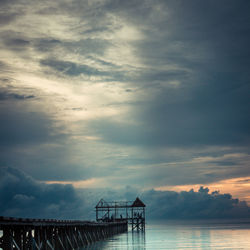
(123, 98)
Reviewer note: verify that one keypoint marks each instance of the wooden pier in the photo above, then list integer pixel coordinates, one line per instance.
(41, 234)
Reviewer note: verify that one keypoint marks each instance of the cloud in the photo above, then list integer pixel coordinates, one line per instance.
(158, 83)
(210, 105)
(193, 205)
(7, 18)
(3, 66)
(20, 127)
(7, 96)
(192, 90)
(46, 44)
(22, 196)
(70, 68)
(7, 2)
(162, 205)
(17, 42)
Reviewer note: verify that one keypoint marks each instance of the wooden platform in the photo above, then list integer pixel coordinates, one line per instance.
(20, 233)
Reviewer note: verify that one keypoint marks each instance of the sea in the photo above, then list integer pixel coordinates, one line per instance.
(205, 234)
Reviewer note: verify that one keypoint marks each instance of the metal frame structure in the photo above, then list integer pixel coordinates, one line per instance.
(131, 211)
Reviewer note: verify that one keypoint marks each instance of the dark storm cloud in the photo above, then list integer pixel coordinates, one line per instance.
(193, 205)
(199, 34)
(212, 117)
(210, 104)
(176, 205)
(213, 105)
(22, 196)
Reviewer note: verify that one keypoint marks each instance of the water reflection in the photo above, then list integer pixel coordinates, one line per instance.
(138, 240)
(181, 236)
(132, 240)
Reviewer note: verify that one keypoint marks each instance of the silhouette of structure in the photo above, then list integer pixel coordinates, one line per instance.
(133, 212)
(112, 218)
(30, 234)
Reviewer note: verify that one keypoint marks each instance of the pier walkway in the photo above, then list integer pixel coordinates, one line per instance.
(42, 234)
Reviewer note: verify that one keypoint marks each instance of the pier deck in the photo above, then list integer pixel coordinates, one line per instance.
(19, 233)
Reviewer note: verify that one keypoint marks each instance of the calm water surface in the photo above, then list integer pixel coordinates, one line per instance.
(182, 235)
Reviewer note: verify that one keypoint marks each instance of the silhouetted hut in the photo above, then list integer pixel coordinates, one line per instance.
(131, 211)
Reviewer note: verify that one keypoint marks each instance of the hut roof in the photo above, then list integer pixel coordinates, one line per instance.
(138, 203)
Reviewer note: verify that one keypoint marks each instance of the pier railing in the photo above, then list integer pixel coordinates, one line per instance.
(22, 234)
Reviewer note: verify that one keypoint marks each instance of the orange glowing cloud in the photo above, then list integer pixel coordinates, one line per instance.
(237, 187)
